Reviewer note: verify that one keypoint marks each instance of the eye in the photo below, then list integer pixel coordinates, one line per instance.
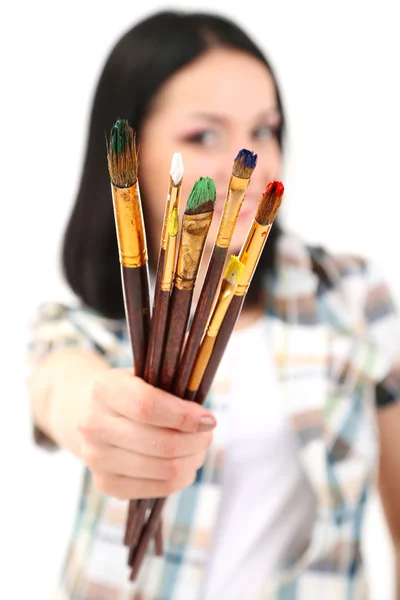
(265, 132)
(207, 137)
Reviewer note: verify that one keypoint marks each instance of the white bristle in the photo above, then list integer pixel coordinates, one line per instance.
(176, 171)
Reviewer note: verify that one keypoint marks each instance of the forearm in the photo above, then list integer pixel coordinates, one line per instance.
(59, 387)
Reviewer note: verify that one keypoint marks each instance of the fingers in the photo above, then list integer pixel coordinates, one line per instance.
(103, 460)
(125, 488)
(146, 439)
(134, 399)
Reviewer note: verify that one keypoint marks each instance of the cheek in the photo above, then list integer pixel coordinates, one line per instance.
(270, 161)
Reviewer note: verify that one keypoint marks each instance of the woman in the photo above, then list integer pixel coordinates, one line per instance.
(268, 481)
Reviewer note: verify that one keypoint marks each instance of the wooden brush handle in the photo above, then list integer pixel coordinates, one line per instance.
(137, 509)
(137, 308)
(179, 312)
(148, 532)
(203, 309)
(221, 342)
(156, 338)
(158, 330)
(178, 318)
(220, 345)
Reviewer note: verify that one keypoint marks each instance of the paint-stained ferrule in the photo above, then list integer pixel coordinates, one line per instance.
(237, 189)
(173, 199)
(224, 299)
(193, 236)
(250, 254)
(129, 225)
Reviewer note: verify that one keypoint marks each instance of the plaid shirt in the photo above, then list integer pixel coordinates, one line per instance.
(336, 341)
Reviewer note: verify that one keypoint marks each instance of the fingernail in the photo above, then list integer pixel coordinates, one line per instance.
(206, 424)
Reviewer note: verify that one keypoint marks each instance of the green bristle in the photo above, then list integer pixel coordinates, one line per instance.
(120, 136)
(122, 154)
(202, 197)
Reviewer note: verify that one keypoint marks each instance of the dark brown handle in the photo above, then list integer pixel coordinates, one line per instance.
(179, 312)
(148, 532)
(221, 343)
(137, 309)
(203, 309)
(158, 330)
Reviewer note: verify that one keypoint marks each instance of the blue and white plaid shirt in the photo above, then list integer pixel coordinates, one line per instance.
(336, 344)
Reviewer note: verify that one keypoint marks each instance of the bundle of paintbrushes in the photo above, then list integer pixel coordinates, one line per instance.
(160, 353)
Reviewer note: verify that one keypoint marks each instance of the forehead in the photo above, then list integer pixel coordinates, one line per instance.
(221, 79)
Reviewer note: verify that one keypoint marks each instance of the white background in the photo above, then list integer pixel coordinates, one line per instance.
(338, 68)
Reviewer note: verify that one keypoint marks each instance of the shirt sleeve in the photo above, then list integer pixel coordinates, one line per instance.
(56, 325)
(383, 326)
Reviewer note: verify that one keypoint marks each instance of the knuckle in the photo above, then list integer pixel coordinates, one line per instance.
(143, 407)
(186, 418)
(91, 426)
(173, 468)
(98, 388)
(104, 484)
(93, 457)
(167, 445)
(111, 486)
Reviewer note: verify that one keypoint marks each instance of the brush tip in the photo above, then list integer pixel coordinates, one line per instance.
(248, 157)
(202, 197)
(122, 154)
(275, 187)
(234, 270)
(176, 170)
(244, 164)
(270, 203)
(120, 136)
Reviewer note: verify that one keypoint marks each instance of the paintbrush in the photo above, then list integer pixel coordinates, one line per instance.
(194, 229)
(164, 279)
(242, 170)
(232, 276)
(131, 237)
(250, 253)
(229, 284)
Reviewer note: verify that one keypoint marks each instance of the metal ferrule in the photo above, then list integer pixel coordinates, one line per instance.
(193, 236)
(129, 225)
(250, 254)
(169, 242)
(237, 189)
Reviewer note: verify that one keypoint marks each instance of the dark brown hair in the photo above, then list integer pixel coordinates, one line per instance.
(142, 60)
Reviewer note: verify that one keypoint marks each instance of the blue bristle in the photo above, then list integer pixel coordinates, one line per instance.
(249, 158)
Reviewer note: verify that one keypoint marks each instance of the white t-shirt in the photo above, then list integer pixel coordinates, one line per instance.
(267, 507)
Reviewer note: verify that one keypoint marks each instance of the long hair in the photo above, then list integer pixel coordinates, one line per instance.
(143, 59)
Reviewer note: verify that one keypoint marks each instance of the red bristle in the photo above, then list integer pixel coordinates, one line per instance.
(275, 187)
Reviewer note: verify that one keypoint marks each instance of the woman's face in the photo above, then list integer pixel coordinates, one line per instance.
(208, 111)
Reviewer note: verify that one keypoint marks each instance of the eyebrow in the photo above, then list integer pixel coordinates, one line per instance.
(219, 119)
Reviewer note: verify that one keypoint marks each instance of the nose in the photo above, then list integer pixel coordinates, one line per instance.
(226, 160)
